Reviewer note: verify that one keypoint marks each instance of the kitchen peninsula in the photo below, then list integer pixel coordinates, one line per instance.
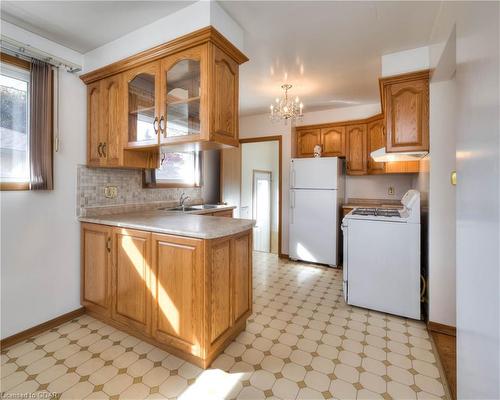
(182, 282)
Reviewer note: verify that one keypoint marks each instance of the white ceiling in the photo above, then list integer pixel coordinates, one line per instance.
(85, 25)
(329, 51)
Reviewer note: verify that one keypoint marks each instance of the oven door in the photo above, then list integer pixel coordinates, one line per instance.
(345, 263)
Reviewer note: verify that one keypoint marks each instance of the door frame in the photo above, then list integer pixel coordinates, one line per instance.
(279, 139)
(254, 204)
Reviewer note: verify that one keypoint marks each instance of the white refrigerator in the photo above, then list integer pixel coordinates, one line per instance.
(316, 196)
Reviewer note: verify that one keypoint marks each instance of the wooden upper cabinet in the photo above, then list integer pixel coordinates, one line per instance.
(182, 94)
(356, 149)
(375, 140)
(131, 278)
(95, 135)
(333, 141)
(306, 140)
(112, 121)
(406, 108)
(142, 105)
(96, 268)
(224, 104)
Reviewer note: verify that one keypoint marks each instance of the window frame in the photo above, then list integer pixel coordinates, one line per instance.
(26, 65)
(171, 184)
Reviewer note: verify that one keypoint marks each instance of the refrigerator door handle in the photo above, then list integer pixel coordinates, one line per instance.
(292, 206)
(292, 177)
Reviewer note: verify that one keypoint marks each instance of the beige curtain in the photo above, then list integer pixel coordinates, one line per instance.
(41, 123)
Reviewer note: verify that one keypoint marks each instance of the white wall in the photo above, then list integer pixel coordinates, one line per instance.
(260, 125)
(186, 20)
(442, 242)
(477, 193)
(40, 239)
(377, 186)
(405, 61)
(263, 156)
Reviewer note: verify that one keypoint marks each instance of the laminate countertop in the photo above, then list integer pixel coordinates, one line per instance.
(175, 223)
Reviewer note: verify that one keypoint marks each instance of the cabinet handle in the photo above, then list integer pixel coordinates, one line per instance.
(104, 150)
(108, 245)
(99, 149)
(162, 127)
(156, 125)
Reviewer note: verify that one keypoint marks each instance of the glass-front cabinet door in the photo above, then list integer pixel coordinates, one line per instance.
(143, 86)
(183, 95)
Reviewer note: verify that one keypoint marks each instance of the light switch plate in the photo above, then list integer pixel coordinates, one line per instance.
(110, 192)
(391, 191)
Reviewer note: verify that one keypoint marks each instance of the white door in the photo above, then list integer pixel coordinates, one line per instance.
(261, 196)
(313, 226)
(314, 173)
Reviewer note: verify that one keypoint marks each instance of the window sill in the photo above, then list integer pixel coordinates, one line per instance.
(172, 185)
(8, 186)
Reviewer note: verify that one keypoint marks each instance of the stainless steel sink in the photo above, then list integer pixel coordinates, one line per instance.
(187, 208)
(206, 206)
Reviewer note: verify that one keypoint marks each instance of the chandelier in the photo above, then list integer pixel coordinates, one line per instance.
(285, 108)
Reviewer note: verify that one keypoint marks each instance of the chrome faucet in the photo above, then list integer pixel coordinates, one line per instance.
(184, 197)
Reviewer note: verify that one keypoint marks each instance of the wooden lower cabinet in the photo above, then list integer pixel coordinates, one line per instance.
(178, 289)
(131, 292)
(96, 268)
(189, 296)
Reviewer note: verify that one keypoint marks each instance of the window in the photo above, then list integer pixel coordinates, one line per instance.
(177, 170)
(14, 126)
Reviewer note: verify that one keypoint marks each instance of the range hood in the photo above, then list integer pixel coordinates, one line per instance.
(380, 155)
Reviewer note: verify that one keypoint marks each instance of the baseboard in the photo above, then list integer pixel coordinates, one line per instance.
(19, 337)
(441, 328)
(283, 255)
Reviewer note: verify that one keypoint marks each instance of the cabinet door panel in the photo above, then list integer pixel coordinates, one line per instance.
(333, 141)
(131, 278)
(96, 268)
(376, 140)
(183, 94)
(94, 139)
(306, 140)
(407, 108)
(113, 114)
(142, 101)
(242, 276)
(178, 268)
(356, 150)
(225, 115)
(220, 290)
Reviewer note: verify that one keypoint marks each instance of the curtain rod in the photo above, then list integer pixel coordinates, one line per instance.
(23, 50)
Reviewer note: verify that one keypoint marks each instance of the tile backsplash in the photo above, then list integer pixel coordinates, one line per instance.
(130, 193)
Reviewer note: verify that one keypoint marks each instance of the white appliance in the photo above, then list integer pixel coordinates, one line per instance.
(381, 268)
(316, 195)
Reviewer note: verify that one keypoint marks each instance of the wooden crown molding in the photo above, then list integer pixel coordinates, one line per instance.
(201, 36)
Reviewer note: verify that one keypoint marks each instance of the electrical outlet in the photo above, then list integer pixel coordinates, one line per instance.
(110, 192)
(391, 191)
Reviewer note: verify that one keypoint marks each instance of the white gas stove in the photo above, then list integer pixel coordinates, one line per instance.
(382, 257)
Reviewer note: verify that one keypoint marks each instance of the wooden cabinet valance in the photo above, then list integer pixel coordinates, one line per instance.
(182, 95)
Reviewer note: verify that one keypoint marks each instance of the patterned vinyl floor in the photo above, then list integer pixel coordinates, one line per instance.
(302, 342)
